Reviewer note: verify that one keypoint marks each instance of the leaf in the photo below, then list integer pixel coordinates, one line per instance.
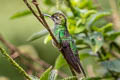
(34, 77)
(60, 62)
(46, 74)
(84, 53)
(49, 2)
(53, 75)
(38, 35)
(70, 78)
(85, 13)
(104, 28)
(79, 29)
(89, 13)
(112, 35)
(95, 41)
(94, 18)
(47, 39)
(113, 65)
(21, 14)
(83, 56)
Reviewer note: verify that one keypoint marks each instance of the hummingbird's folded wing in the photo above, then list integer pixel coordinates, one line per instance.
(71, 59)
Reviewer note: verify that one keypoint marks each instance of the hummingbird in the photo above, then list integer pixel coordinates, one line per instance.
(68, 46)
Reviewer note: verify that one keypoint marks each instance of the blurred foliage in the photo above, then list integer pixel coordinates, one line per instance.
(21, 14)
(93, 33)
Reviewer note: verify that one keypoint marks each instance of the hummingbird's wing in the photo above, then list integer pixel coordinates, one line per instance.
(71, 59)
(75, 52)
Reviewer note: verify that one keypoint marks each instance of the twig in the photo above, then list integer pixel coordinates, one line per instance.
(10, 46)
(14, 63)
(41, 19)
(25, 1)
(17, 53)
(113, 52)
(14, 51)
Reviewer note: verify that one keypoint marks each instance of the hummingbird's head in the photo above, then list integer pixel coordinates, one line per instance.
(58, 18)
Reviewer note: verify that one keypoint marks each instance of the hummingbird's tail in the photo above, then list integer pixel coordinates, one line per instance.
(79, 63)
(71, 59)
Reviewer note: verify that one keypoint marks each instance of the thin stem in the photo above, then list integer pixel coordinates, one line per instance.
(16, 53)
(25, 1)
(42, 20)
(6, 43)
(14, 63)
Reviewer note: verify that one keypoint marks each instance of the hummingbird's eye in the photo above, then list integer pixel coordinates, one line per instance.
(57, 18)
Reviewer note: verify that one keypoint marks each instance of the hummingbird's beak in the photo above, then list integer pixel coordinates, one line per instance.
(47, 15)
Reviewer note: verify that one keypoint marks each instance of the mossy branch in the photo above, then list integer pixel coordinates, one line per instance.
(20, 69)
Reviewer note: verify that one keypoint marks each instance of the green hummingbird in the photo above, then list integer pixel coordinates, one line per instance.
(68, 47)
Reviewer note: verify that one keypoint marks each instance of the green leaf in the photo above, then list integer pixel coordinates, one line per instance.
(79, 29)
(112, 35)
(21, 14)
(104, 28)
(113, 65)
(60, 62)
(70, 78)
(89, 12)
(47, 39)
(93, 18)
(85, 53)
(34, 77)
(53, 75)
(85, 13)
(46, 74)
(95, 41)
(49, 2)
(38, 35)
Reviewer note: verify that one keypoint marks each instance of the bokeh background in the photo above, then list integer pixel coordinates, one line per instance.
(17, 32)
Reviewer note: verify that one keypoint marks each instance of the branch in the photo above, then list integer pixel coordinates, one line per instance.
(16, 53)
(14, 63)
(6, 43)
(41, 19)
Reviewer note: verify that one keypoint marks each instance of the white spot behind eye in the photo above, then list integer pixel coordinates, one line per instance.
(57, 17)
